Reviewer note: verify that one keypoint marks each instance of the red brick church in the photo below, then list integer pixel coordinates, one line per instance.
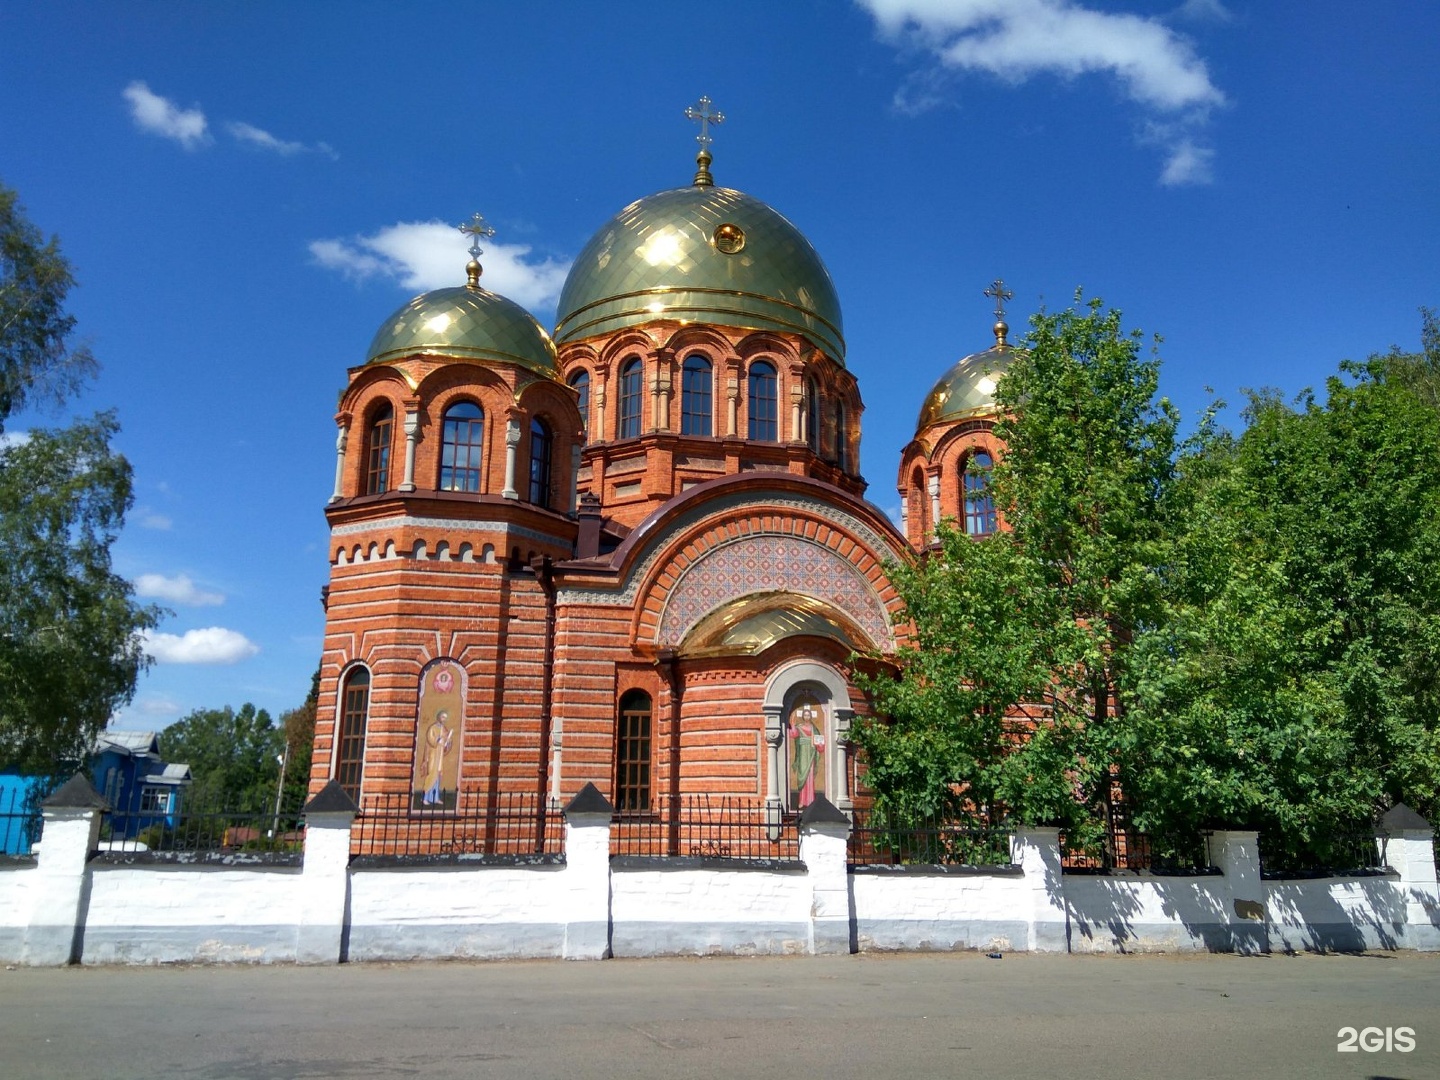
(635, 552)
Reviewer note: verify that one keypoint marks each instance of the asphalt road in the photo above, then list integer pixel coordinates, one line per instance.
(873, 1016)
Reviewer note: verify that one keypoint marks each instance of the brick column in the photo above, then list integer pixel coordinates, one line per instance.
(1410, 852)
(587, 875)
(325, 878)
(824, 831)
(60, 891)
(1037, 852)
(1237, 855)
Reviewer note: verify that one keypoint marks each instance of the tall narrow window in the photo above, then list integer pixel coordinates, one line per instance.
(764, 426)
(631, 398)
(377, 450)
(350, 749)
(695, 397)
(580, 383)
(979, 503)
(540, 449)
(812, 415)
(842, 438)
(462, 439)
(632, 753)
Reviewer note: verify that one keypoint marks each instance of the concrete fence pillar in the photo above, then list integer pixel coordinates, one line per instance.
(1237, 855)
(1037, 852)
(325, 879)
(61, 885)
(824, 832)
(587, 875)
(1410, 852)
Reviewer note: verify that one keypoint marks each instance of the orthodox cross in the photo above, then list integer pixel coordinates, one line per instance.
(1001, 295)
(475, 228)
(702, 112)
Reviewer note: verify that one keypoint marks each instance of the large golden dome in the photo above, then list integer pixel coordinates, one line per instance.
(701, 254)
(967, 389)
(467, 322)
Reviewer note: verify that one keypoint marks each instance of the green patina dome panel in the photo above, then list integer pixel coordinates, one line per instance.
(661, 258)
(967, 389)
(466, 322)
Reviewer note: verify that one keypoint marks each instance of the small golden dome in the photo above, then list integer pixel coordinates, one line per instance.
(968, 388)
(704, 255)
(469, 322)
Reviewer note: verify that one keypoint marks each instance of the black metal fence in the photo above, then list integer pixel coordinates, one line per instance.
(1124, 848)
(192, 823)
(509, 824)
(703, 826)
(20, 822)
(1357, 852)
(876, 841)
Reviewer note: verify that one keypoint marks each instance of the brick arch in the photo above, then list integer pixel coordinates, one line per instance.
(714, 345)
(625, 344)
(728, 557)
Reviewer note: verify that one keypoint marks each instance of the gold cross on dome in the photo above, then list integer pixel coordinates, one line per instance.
(702, 112)
(475, 228)
(1001, 295)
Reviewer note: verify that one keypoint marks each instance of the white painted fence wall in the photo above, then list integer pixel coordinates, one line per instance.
(71, 906)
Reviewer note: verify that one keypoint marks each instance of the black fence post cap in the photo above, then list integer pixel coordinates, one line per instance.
(332, 799)
(822, 811)
(1400, 818)
(589, 800)
(77, 793)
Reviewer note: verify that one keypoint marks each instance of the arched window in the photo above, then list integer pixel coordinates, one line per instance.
(541, 444)
(842, 438)
(377, 450)
(350, 744)
(462, 440)
(696, 410)
(764, 426)
(580, 382)
(812, 415)
(632, 379)
(632, 752)
(979, 503)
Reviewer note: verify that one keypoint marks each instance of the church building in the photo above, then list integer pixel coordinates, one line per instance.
(636, 551)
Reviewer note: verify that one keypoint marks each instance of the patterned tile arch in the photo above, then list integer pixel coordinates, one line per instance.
(767, 562)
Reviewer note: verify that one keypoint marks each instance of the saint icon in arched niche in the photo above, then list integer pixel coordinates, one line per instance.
(805, 738)
(436, 776)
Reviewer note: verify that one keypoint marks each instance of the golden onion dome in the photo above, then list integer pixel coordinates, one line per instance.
(466, 322)
(701, 254)
(968, 388)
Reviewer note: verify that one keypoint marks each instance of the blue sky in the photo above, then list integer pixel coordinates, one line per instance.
(247, 190)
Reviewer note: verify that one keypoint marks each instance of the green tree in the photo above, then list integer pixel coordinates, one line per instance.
(1296, 686)
(70, 648)
(1038, 620)
(232, 756)
(298, 726)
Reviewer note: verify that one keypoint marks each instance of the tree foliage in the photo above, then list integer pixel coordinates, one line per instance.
(1229, 631)
(70, 648)
(233, 756)
(38, 363)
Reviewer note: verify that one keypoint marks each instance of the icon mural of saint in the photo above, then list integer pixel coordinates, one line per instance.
(805, 733)
(436, 775)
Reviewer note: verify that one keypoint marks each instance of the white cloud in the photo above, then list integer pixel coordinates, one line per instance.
(13, 438)
(259, 137)
(1015, 40)
(1212, 11)
(430, 255)
(1188, 164)
(147, 518)
(161, 116)
(176, 590)
(212, 645)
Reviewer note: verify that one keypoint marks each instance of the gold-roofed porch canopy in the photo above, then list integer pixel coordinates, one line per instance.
(750, 625)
